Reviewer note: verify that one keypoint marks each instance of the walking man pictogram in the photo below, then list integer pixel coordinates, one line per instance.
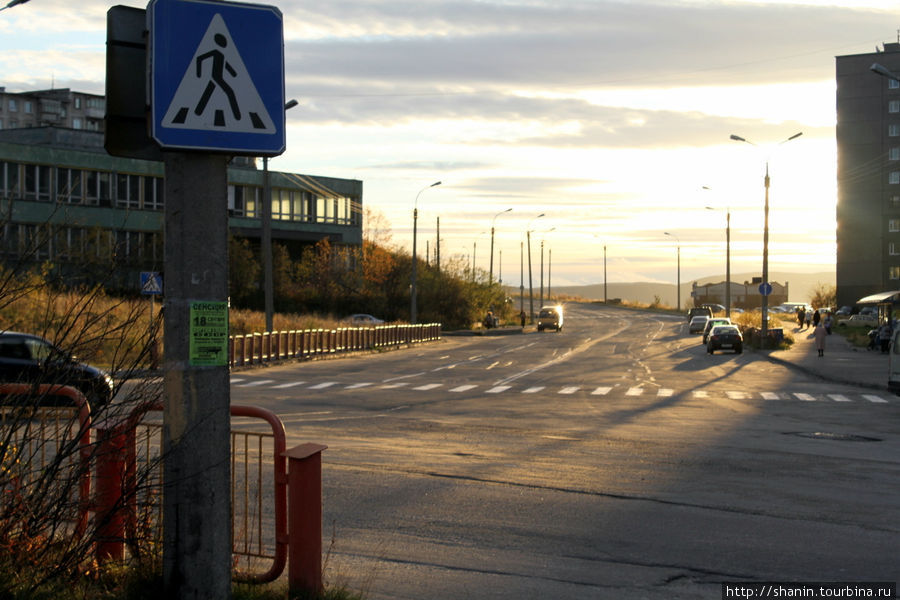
(217, 78)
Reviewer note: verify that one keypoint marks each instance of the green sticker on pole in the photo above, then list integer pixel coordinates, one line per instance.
(209, 334)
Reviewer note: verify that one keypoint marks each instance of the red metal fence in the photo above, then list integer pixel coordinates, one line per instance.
(258, 348)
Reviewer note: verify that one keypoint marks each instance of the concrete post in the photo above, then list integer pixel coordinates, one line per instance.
(305, 517)
(196, 432)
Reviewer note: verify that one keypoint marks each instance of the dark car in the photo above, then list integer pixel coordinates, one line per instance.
(26, 358)
(725, 337)
(699, 311)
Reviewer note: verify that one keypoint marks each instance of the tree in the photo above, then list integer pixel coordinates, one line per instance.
(823, 296)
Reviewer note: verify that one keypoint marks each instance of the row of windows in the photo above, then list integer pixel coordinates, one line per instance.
(73, 244)
(77, 123)
(44, 183)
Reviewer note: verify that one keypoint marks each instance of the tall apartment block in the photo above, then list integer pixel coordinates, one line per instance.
(868, 175)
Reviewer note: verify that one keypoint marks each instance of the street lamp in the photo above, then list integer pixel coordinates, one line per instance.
(542, 266)
(265, 241)
(13, 3)
(880, 69)
(678, 279)
(528, 231)
(491, 272)
(412, 285)
(765, 286)
(727, 258)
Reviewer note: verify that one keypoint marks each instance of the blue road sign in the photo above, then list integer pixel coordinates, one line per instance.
(765, 288)
(217, 76)
(151, 283)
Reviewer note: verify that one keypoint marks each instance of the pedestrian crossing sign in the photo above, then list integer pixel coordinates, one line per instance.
(217, 76)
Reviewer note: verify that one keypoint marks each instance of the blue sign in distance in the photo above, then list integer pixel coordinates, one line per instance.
(217, 76)
(765, 288)
(151, 283)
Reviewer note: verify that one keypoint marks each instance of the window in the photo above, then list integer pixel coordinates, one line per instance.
(1, 123)
(894, 154)
(893, 225)
(894, 106)
(893, 272)
(9, 187)
(37, 182)
(893, 130)
(242, 200)
(27, 105)
(13, 105)
(77, 102)
(893, 249)
(76, 123)
(128, 191)
(894, 177)
(68, 186)
(98, 188)
(153, 193)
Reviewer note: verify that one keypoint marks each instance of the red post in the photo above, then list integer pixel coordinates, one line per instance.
(115, 477)
(305, 517)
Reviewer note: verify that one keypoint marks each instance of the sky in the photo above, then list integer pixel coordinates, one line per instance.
(610, 118)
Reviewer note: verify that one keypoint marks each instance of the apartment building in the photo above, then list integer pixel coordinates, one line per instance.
(868, 175)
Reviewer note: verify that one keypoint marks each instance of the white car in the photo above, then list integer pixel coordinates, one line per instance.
(698, 324)
(363, 319)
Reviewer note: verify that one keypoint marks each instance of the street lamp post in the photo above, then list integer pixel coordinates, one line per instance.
(530, 284)
(764, 329)
(412, 285)
(678, 278)
(542, 267)
(727, 258)
(265, 241)
(494, 220)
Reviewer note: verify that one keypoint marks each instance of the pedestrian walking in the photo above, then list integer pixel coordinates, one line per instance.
(884, 337)
(817, 316)
(522, 316)
(808, 318)
(827, 321)
(801, 316)
(820, 339)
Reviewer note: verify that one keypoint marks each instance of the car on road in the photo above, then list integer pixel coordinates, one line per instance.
(26, 358)
(699, 311)
(363, 319)
(725, 337)
(715, 321)
(550, 317)
(698, 324)
(862, 320)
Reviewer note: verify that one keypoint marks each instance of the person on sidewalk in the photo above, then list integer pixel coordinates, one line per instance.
(801, 316)
(817, 317)
(820, 338)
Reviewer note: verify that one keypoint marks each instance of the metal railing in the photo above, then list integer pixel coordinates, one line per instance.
(259, 348)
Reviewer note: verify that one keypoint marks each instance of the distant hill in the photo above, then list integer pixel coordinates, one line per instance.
(800, 287)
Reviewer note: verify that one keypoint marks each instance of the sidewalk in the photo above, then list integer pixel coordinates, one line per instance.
(842, 362)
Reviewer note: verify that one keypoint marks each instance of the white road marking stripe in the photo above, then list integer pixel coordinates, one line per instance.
(601, 391)
(876, 399)
(839, 398)
(635, 391)
(256, 383)
(769, 395)
(701, 394)
(236, 380)
(288, 385)
(665, 392)
(356, 386)
(570, 390)
(428, 386)
(322, 386)
(393, 386)
(464, 388)
(805, 397)
(497, 389)
(736, 395)
(533, 390)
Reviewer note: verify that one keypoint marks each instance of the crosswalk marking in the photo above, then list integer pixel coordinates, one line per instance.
(630, 392)
(322, 386)
(428, 386)
(284, 386)
(464, 388)
(876, 399)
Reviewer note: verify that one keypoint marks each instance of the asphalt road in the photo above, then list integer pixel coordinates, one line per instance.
(615, 459)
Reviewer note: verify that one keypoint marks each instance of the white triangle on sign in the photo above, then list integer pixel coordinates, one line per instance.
(217, 92)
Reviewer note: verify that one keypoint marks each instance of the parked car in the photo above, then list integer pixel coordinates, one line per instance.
(861, 320)
(715, 308)
(550, 317)
(725, 337)
(698, 324)
(363, 319)
(844, 311)
(714, 322)
(699, 311)
(26, 358)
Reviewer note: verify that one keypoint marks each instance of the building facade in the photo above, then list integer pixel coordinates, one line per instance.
(56, 108)
(743, 295)
(868, 175)
(65, 200)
